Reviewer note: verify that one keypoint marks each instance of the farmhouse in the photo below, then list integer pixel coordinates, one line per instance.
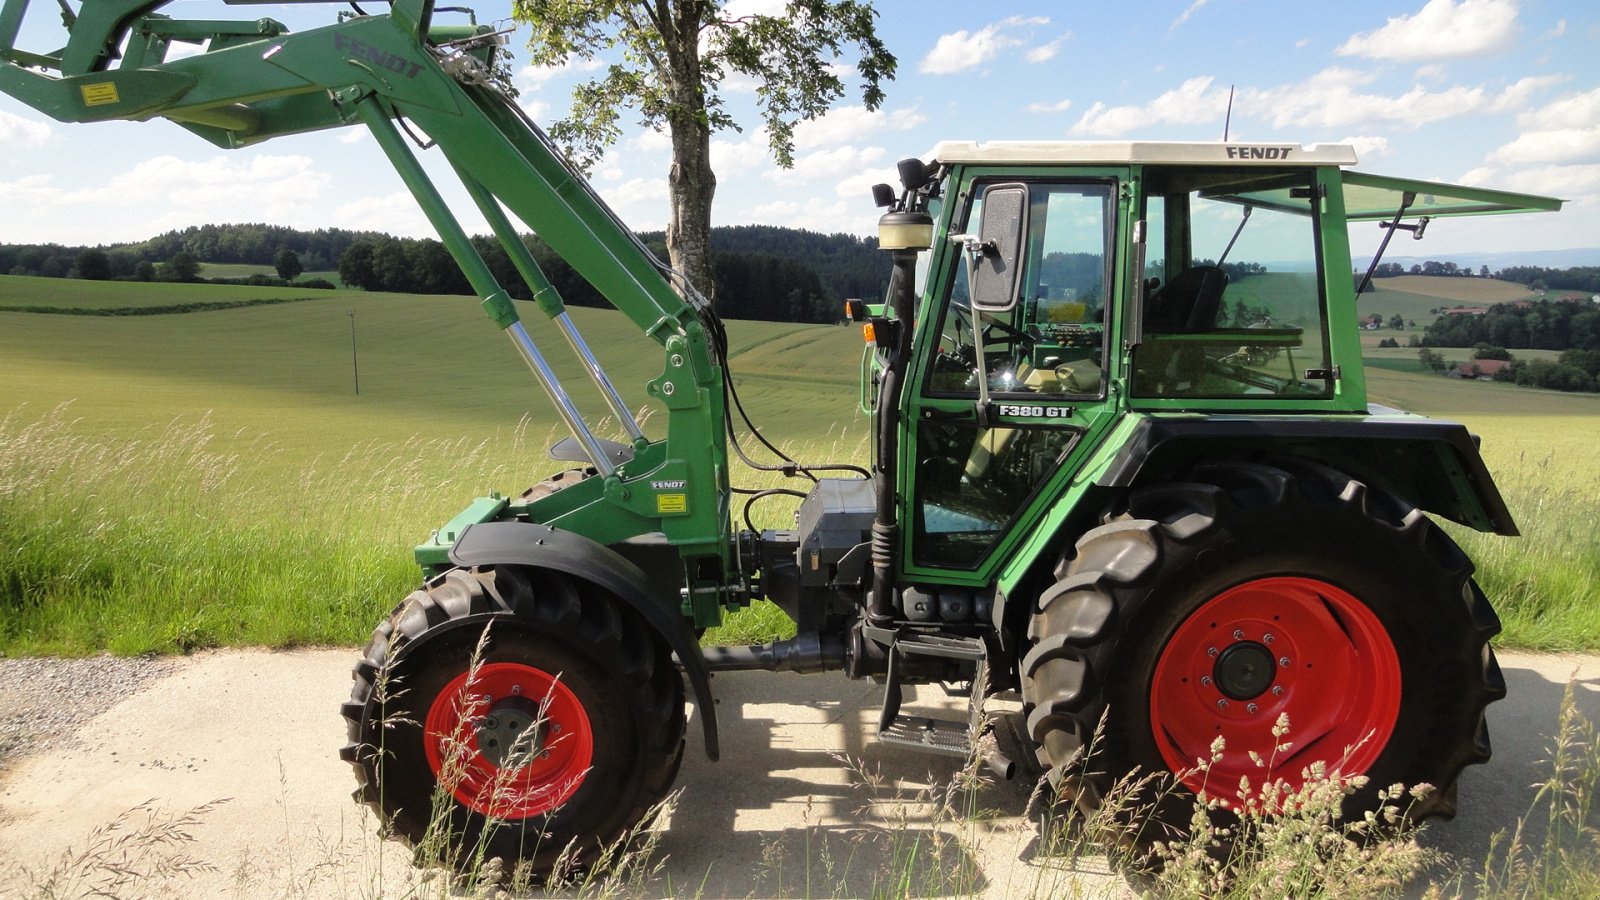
(1480, 369)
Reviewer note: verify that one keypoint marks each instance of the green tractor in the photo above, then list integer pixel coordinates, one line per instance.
(1124, 466)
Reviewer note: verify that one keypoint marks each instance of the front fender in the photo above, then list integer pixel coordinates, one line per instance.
(570, 553)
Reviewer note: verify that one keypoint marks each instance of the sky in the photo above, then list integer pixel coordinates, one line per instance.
(1494, 93)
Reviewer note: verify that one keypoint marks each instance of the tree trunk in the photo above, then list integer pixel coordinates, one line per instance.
(691, 183)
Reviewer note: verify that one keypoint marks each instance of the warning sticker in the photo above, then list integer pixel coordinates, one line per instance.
(100, 93)
(672, 503)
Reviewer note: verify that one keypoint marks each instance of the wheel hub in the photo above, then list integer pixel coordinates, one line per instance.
(1244, 671)
(509, 739)
(503, 736)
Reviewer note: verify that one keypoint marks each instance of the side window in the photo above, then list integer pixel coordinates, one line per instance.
(1233, 304)
(1051, 342)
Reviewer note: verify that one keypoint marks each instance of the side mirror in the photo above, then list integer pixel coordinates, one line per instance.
(995, 258)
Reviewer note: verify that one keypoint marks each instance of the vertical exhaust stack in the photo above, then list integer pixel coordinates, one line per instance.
(904, 231)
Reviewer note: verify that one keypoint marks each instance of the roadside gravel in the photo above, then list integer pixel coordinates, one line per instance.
(43, 701)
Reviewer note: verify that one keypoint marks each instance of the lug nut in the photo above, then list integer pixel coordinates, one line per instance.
(1222, 704)
(1238, 634)
(1277, 690)
(1283, 661)
(1205, 680)
(1251, 709)
(1211, 651)
(1268, 638)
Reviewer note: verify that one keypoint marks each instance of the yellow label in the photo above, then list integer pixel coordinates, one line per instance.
(99, 94)
(672, 503)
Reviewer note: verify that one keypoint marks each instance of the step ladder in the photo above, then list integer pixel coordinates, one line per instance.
(926, 734)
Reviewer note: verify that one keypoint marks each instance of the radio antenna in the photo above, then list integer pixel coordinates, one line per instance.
(1227, 120)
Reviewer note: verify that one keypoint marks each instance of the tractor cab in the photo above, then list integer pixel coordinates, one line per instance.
(1073, 284)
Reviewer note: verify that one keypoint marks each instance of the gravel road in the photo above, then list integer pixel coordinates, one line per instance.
(91, 739)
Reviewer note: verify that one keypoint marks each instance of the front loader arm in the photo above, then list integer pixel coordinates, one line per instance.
(257, 81)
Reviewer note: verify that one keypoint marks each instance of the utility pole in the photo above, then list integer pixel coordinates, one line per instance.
(355, 363)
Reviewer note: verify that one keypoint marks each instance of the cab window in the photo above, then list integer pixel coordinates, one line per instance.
(1051, 342)
(1232, 301)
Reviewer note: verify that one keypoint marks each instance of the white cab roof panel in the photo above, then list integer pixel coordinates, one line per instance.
(1142, 153)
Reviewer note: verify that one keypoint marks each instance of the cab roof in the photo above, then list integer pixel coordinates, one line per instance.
(1366, 196)
(1142, 153)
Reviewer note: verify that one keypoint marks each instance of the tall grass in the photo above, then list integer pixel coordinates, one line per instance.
(160, 544)
(1545, 584)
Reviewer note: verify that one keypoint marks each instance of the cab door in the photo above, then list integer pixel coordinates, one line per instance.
(1005, 402)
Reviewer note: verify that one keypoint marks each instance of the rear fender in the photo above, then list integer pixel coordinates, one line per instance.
(570, 553)
(1431, 463)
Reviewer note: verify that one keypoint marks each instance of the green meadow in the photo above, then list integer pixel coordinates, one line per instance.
(214, 478)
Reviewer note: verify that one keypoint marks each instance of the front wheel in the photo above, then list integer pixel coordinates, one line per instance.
(493, 716)
(1246, 595)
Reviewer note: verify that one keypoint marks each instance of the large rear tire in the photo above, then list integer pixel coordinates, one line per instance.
(1208, 607)
(494, 718)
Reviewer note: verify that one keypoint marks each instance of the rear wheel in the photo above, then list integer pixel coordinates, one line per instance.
(1212, 606)
(493, 718)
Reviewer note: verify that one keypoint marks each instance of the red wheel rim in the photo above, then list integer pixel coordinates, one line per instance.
(1265, 648)
(472, 740)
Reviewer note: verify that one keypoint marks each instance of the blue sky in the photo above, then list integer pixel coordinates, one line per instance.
(1499, 93)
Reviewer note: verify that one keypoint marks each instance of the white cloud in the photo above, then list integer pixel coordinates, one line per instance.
(283, 189)
(537, 110)
(1191, 103)
(395, 213)
(852, 123)
(1550, 181)
(1567, 145)
(827, 165)
(19, 131)
(960, 51)
(1046, 52)
(1193, 8)
(1443, 29)
(1333, 98)
(1302, 43)
(533, 78)
(354, 135)
(1368, 147)
(652, 140)
(729, 158)
(1572, 111)
(640, 195)
(1558, 31)
(1057, 107)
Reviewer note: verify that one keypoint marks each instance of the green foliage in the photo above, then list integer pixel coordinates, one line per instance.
(676, 55)
(287, 262)
(1542, 324)
(92, 265)
(181, 267)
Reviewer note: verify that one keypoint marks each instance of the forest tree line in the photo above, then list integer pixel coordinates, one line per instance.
(762, 272)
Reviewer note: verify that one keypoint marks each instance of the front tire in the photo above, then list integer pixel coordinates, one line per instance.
(1210, 606)
(492, 718)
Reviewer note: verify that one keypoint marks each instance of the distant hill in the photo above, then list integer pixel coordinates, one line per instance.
(1496, 260)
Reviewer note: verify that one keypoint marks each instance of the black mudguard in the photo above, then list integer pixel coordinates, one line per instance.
(1433, 464)
(543, 547)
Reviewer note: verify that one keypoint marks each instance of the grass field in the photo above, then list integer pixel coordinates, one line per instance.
(245, 270)
(137, 452)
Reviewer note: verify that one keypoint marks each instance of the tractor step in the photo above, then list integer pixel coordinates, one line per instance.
(926, 734)
(942, 736)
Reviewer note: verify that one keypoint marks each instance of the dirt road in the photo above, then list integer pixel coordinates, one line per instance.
(261, 730)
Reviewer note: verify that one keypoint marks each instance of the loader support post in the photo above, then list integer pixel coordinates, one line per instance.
(376, 116)
(549, 300)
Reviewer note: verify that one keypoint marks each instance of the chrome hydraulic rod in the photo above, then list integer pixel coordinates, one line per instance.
(377, 117)
(549, 300)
